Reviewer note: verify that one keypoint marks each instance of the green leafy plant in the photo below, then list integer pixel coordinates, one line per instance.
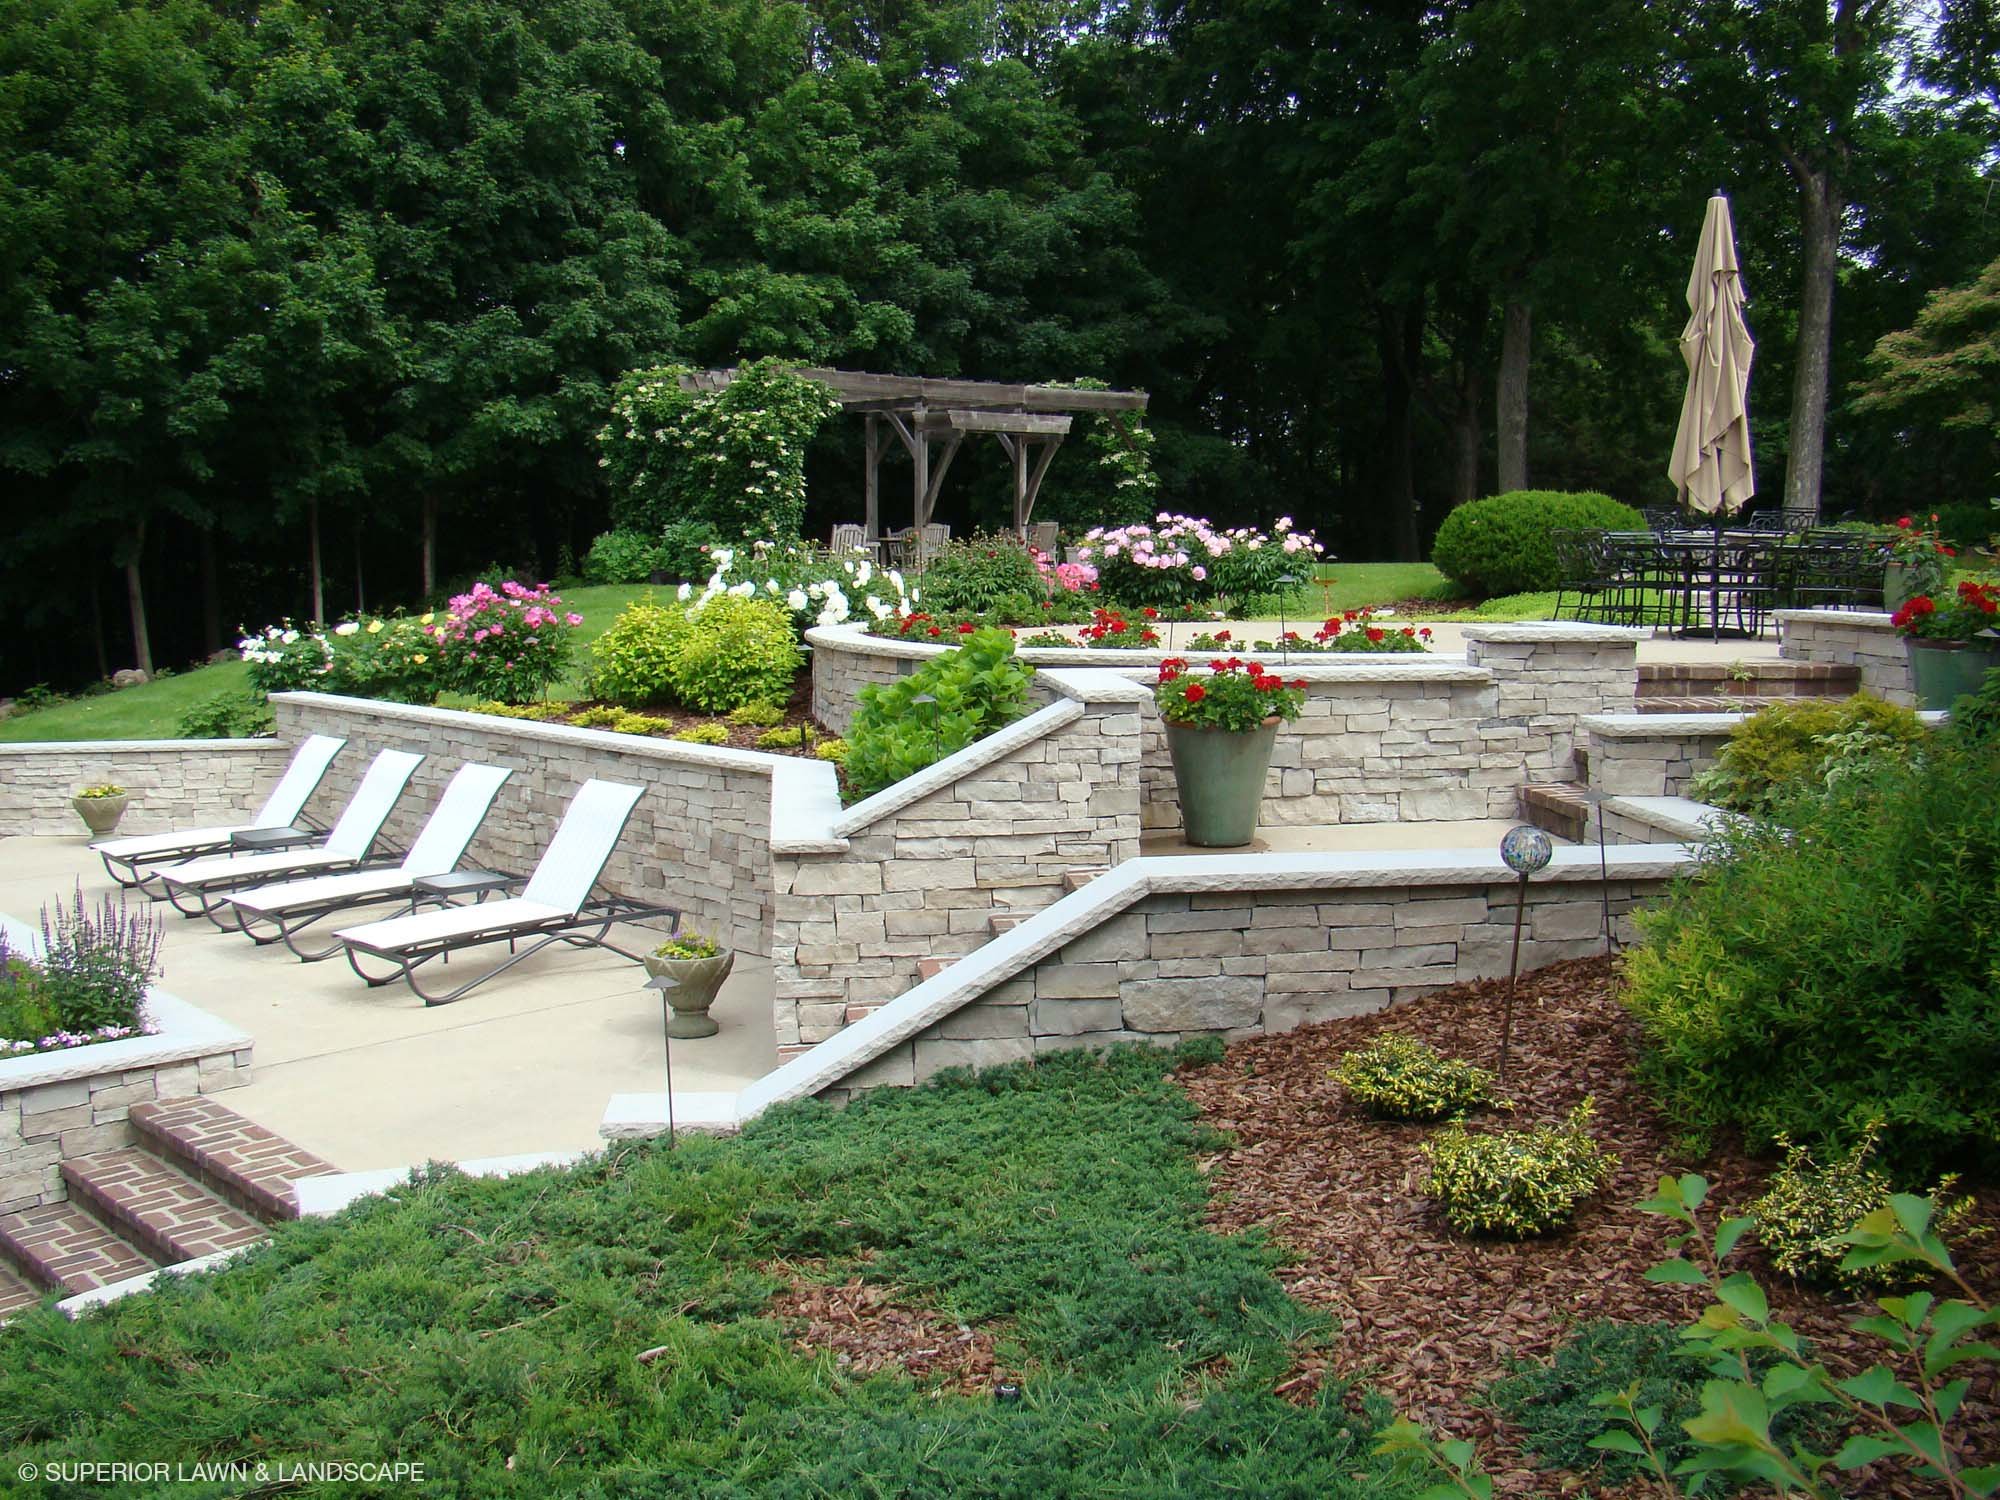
(629, 723)
(1397, 1077)
(631, 664)
(395, 659)
(703, 734)
(1233, 695)
(757, 715)
(1515, 1184)
(787, 737)
(1500, 545)
(620, 556)
(103, 789)
(977, 688)
(1805, 743)
(601, 717)
(832, 748)
(96, 963)
(689, 945)
(977, 573)
(227, 716)
(286, 658)
(686, 548)
(734, 651)
(540, 713)
(1975, 718)
(1851, 940)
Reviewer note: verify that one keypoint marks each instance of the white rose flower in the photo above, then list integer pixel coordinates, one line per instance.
(862, 574)
(346, 627)
(289, 637)
(771, 586)
(684, 592)
(742, 590)
(797, 600)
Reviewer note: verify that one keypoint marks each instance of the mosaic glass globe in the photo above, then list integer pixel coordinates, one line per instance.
(1526, 849)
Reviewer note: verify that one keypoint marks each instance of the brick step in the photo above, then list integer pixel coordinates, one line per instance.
(1559, 807)
(15, 1294)
(1758, 679)
(63, 1248)
(163, 1211)
(239, 1160)
(1723, 703)
(1082, 875)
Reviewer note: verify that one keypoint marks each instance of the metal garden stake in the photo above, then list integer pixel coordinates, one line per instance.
(663, 983)
(1524, 850)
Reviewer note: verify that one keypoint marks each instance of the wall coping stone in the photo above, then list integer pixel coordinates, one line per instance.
(1863, 619)
(1046, 931)
(1687, 726)
(956, 766)
(1681, 818)
(186, 1031)
(1555, 632)
(1095, 685)
(262, 746)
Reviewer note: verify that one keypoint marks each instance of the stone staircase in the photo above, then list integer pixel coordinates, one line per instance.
(197, 1179)
(1710, 687)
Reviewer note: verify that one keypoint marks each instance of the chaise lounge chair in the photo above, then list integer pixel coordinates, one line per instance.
(556, 906)
(287, 800)
(280, 912)
(202, 885)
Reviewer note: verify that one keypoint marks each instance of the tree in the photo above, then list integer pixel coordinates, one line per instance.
(1944, 371)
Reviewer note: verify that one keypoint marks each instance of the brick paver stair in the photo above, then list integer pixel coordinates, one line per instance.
(58, 1245)
(15, 1293)
(234, 1157)
(164, 1212)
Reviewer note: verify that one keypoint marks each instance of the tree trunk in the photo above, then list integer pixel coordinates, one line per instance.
(1400, 333)
(1465, 442)
(1511, 402)
(211, 598)
(360, 587)
(1821, 207)
(135, 599)
(429, 566)
(97, 633)
(318, 580)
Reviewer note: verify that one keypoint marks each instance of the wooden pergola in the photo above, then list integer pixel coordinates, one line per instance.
(932, 418)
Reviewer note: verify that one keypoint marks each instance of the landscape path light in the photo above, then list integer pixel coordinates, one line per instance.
(663, 983)
(1524, 849)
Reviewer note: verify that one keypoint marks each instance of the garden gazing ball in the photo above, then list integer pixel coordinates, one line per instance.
(1526, 849)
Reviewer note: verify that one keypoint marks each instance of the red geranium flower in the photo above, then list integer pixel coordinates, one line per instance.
(966, 627)
(1196, 692)
(1374, 636)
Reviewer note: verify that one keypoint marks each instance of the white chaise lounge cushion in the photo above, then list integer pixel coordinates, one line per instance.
(287, 800)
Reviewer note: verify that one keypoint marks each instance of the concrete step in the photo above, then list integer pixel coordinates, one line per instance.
(235, 1158)
(15, 1294)
(1724, 703)
(1752, 679)
(163, 1211)
(1082, 875)
(61, 1247)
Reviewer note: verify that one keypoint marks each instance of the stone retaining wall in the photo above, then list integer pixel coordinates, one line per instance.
(174, 783)
(1864, 639)
(1653, 755)
(699, 839)
(921, 870)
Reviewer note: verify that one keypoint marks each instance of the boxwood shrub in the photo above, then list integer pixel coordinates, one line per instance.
(1500, 545)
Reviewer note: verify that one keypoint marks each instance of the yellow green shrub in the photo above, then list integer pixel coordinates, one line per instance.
(1515, 1184)
(1397, 1077)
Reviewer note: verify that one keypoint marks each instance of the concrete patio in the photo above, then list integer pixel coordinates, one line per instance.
(371, 1078)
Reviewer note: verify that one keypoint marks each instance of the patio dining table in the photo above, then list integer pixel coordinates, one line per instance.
(1737, 566)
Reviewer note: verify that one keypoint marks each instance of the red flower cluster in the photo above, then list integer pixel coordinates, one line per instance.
(1974, 611)
(1109, 628)
(1238, 695)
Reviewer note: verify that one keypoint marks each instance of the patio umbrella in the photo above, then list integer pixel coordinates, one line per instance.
(1711, 465)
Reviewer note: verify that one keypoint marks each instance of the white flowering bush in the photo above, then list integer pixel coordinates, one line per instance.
(734, 458)
(286, 658)
(1183, 559)
(819, 588)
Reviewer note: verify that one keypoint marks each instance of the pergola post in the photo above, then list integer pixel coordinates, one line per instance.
(871, 483)
(920, 453)
(1018, 451)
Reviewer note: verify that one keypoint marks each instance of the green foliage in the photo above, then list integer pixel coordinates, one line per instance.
(1856, 936)
(96, 964)
(601, 717)
(227, 716)
(1968, 523)
(1500, 545)
(631, 664)
(1515, 1184)
(488, 1327)
(1397, 1077)
(621, 556)
(27, 1009)
(789, 737)
(539, 713)
(703, 734)
(1803, 744)
(832, 748)
(758, 715)
(982, 573)
(683, 551)
(286, 658)
(734, 458)
(732, 652)
(630, 723)
(395, 660)
(978, 687)
(1975, 718)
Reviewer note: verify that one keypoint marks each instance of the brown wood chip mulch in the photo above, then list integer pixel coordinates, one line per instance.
(1431, 1318)
(871, 1327)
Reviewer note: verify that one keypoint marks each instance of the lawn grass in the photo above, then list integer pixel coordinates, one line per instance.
(490, 1329)
(151, 711)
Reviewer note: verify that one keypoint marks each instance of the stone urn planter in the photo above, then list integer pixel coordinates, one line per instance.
(102, 811)
(696, 981)
(1941, 672)
(1221, 777)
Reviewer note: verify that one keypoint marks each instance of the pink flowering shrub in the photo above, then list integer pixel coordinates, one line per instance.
(1181, 559)
(506, 644)
(1063, 578)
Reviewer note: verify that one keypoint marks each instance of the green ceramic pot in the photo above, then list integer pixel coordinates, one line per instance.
(696, 981)
(1221, 777)
(1942, 672)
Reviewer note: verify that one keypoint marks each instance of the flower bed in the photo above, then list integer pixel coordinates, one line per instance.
(780, 729)
(88, 984)
(1355, 631)
(1183, 559)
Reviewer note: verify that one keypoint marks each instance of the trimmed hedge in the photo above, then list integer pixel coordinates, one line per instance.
(1500, 545)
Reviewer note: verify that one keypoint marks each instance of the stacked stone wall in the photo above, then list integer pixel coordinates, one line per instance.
(173, 783)
(1859, 638)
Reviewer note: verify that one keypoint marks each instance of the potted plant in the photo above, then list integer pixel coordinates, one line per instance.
(1952, 645)
(697, 964)
(101, 806)
(1221, 727)
(1915, 560)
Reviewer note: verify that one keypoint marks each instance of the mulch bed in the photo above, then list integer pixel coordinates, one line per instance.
(870, 1328)
(1431, 1318)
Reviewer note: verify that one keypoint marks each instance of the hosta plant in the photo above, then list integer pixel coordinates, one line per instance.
(1397, 1077)
(973, 690)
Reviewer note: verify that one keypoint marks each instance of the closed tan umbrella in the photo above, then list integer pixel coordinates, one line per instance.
(1711, 466)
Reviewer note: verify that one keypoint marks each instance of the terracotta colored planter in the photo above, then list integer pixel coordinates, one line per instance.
(1221, 777)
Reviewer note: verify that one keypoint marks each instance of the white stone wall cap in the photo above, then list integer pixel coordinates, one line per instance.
(1864, 619)
(1095, 685)
(1554, 631)
(132, 1286)
(1685, 819)
(955, 767)
(759, 762)
(185, 1031)
(1660, 726)
(320, 1196)
(263, 746)
(805, 804)
(638, 1116)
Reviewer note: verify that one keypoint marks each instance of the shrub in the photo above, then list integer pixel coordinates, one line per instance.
(757, 715)
(601, 717)
(1397, 1077)
(734, 651)
(227, 716)
(833, 749)
(1968, 523)
(627, 723)
(396, 660)
(786, 737)
(1515, 1184)
(632, 662)
(508, 643)
(683, 552)
(1500, 545)
(979, 687)
(980, 572)
(540, 713)
(1975, 718)
(1804, 743)
(1838, 969)
(620, 556)
(285, 659)
(703, 734)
